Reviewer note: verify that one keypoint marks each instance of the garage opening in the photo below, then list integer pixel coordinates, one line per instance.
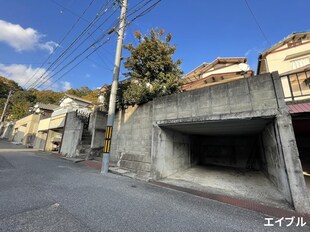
(240, 158)
(301, 124)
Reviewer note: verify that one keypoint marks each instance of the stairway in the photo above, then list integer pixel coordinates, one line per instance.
(84, 148)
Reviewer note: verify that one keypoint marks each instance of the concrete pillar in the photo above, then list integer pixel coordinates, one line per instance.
(292, 163)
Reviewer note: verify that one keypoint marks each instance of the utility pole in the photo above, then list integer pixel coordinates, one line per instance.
(4, 111)
(116, 70)
(5, 106)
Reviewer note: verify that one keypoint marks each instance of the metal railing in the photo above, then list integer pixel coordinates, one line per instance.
(296, 86)
(84, 116)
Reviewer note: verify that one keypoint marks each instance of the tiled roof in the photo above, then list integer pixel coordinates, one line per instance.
(46, 106)
(76, 98)
(285, 40)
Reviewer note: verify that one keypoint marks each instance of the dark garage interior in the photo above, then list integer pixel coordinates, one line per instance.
(237, 157)
(301, 126)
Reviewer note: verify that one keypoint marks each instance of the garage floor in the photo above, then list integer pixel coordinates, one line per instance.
(251, 185)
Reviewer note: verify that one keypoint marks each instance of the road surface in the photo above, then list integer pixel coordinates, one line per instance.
(40, 192)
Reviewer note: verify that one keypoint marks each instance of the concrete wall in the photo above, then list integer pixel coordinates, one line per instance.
(97, 126)
(7, 131)
(289, 151)
(141, 143)
(72, 135)
(171, 152)
(26, 128)
(40, 140)
(132, 138)
(44, 124)
(275, 165)
(132, 132)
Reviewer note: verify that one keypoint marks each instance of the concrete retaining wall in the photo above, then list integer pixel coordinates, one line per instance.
(275, 166)
(40, 140)
(244, 98)
(97, 125)
(173, 152)
(132, 138)
(142, 142)
(72, 135)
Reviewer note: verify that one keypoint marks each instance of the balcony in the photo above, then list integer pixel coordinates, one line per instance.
(296, 86)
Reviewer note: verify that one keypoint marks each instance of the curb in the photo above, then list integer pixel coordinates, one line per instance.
(241, 203)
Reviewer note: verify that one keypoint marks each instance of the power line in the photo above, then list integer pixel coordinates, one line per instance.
(256, 21)
(76, 57)
(63, 39)
(75, 14)
(68, 48)
(75, 65)
(94, 21)
(108, 32)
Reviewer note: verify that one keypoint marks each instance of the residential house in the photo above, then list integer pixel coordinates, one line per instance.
(291, 59)
(218, 71)
(26, 128)
(52, 129)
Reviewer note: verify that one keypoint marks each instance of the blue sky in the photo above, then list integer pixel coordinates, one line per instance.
(202, 31)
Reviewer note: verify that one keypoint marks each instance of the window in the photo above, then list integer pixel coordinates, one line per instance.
(300, 62)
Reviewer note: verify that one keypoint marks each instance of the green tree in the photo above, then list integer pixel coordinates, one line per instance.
(6, 85)
(92, 96)
(47, 96)
(80, 92)
(20, 103)
(152, 70)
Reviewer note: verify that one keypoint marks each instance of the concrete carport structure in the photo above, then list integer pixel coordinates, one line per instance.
(242, 124)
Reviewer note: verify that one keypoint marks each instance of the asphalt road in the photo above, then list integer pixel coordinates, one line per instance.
(39, 192)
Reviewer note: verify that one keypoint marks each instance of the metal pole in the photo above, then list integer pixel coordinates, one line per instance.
(4, 111)
(111, 112)
(5, 106)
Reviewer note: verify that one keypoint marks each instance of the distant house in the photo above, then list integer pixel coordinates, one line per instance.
(52, 129)
(220, 70)
(26, 128)
(291, 58)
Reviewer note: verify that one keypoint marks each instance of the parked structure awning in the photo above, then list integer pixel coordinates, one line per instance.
(299, 108)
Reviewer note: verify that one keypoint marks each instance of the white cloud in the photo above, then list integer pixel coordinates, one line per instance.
(49, 46)
(22, 74)
(87, 75)
(66, 85)
(23, 39)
